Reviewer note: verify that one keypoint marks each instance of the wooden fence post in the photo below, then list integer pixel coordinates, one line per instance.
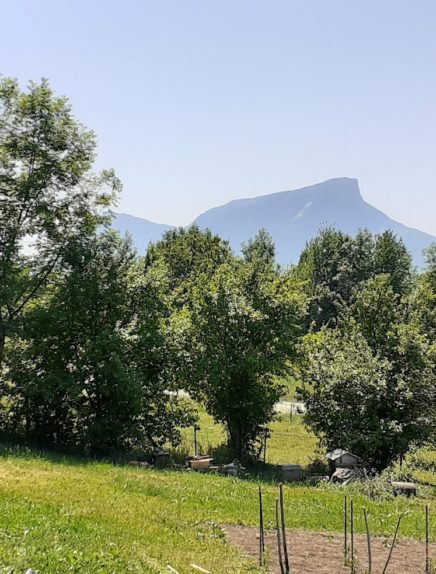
(279, 543)
(368, 541)
(393, 544)
(352, 534)
(345, 530)
(261, 531)
(427, 538)
(285, 544)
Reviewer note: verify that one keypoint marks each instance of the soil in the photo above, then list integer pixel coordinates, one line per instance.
(323, 552)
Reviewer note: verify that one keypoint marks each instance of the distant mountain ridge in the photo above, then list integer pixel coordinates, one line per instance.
(141, 230)
(291, 217)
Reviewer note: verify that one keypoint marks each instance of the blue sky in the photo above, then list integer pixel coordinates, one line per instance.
(197, 102)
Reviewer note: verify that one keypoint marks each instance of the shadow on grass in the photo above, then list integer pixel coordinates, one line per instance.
(254, 471)
(10, 448)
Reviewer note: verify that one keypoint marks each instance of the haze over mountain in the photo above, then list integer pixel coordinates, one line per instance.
(142, 230)
(291, 217)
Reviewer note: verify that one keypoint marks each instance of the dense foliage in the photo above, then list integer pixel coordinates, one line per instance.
(370, 382)
(82, 353)
(95, 340)
(48, 195)
(238, 330)
(335, 263)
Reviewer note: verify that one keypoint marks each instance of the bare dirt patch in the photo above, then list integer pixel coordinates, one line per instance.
(322, 552)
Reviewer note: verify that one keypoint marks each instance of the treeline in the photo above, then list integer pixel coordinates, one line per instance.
(95, 339)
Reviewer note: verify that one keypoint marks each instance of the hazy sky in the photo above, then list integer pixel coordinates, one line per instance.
(197, 102)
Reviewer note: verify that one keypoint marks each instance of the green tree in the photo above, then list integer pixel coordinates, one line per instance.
(387, 322)
(423, 314)
(424, 297)
(430, 256)
(391, 257)
(378, 310)
(366, 380)
(334, 264)
(48, 194)
(183, 257)
(87, 371)
(238, 333)
(327, 263)
(261, 250)
(358, 401)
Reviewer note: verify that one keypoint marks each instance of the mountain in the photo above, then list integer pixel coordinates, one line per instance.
(141, 230)
(292, 218)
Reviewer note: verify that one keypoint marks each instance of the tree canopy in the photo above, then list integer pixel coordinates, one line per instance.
(335, 263)
(48, 193)
(96, 342)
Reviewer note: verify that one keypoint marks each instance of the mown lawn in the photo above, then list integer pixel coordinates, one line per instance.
(61, 515)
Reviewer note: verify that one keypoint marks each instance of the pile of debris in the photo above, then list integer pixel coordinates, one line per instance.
(407, 488)
(346, 466)
(201, 463)
(198, 463)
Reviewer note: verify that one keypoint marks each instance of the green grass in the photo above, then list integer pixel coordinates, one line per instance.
(290, 441)
(290, 386)
(422, 466)
(209, 436)
(62, 515)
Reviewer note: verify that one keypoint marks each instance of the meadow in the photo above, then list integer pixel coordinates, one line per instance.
(290, 441)
(63, 514)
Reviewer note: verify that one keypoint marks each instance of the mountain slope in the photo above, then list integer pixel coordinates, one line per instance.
(294, 217)
(141, 230)
(291, 217)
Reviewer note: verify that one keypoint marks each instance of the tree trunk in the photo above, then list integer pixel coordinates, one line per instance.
(236, 441)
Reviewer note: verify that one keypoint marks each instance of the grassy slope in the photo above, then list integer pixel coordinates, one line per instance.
(290, 441)
(64, 515)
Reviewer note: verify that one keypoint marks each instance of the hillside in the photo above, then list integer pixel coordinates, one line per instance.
(70, 515)
(141, 230)
(294, 217)
(291, 217)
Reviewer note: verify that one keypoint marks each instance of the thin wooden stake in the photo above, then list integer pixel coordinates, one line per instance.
(393, 544)
(285, 544)
(261, 531)
(427, 537)
(352, 534)
(264, 447)
(368, 541)
(279, 542)
(345, 530)
(195, 441)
